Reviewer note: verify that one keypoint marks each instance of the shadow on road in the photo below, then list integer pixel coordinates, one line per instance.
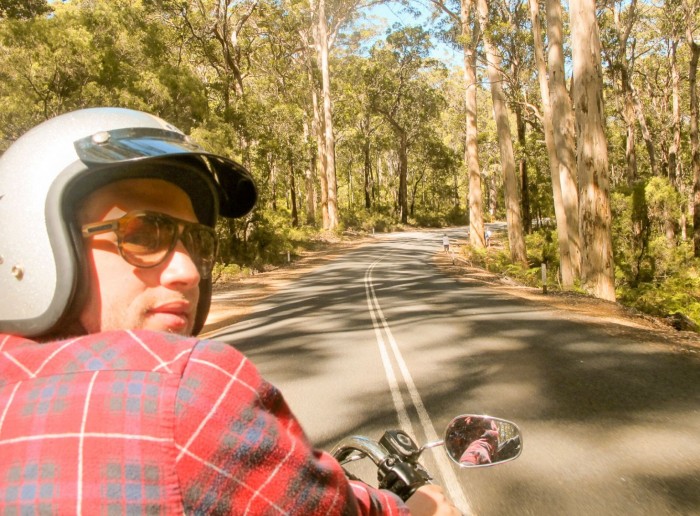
(599, 396)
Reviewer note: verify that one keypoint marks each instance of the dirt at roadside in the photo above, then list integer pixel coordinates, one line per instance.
(234, 299)
(616, 319)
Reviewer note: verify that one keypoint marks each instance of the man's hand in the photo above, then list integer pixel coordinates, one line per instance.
(430, 499)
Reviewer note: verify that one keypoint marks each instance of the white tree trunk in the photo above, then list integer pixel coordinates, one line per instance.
(505, 143)
(597, 256)
(320, 155)
(567, 275)
(471, 147)
(329, 139)
(310, 185)
(564, 132)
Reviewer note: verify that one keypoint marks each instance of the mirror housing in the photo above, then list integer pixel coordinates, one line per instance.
(473, 441)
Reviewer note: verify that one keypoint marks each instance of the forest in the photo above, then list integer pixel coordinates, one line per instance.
(575, 123)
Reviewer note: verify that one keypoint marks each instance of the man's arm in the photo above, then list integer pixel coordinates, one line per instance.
(240, 449)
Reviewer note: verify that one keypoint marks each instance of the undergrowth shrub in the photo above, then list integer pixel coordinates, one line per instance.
(369, 222)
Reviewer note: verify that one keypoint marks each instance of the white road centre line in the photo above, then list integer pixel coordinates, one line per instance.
(451, 484)
(404, 420)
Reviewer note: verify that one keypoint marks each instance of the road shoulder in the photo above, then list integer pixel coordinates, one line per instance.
(616, 319)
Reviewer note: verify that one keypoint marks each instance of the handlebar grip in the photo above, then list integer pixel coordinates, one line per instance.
(402, 478)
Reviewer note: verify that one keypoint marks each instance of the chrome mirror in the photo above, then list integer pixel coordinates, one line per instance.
(482, 440)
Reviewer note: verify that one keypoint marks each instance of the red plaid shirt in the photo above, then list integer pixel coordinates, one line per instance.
(141, 422)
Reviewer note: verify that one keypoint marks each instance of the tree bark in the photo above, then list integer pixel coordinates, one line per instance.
(522, 168)
(564, 134)
(674, 149)
(329, 138)
(367, 160)
(321, 158)
(567, 276)
(632, 111)
(694, 139)
(646, 134)
(471, 148)
(505, 143)
(630, 137)
(403, 175)
(293, 193)
(310, 202)
(592, 160)
(272, 181)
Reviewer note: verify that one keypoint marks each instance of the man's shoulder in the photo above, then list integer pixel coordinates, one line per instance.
(113, 350)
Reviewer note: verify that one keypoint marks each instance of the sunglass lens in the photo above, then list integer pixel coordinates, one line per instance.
(200, 242)
(147, 239)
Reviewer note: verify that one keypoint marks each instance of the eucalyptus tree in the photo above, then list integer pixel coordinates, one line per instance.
(46, 68)
(25, 9)
(325, 21)
(655, 95)
(691, 25)
(623, 43)
(222, 42)
(357, 122)
(516, 239)
(92, 53)
(671, 24)
(567, 232)
(597, 268)
(464, 30)
(470, 35)
(283, 84)
(321, 40)
(435, 179)
(563, 126)
(402, 93)
(220, 34)
(511, 32)
(281, 152)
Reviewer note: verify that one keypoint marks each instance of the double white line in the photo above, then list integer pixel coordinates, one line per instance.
(381, 329)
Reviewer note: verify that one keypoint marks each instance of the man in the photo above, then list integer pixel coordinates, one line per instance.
(482, 444)
(106, 251)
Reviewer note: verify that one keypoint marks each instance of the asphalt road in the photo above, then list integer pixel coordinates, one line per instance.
(380, 338)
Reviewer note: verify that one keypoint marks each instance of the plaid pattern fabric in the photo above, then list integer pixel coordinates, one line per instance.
(137, 422)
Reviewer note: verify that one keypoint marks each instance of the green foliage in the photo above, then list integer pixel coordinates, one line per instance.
(644, 219)
(679, 293)
(369, 222)
(663, 203)
(271, 238)
(492, 259)
(23, 9)
(457, 216)
(223, 273)
(266, 239)
(542, 248)
(240, 80)
(427, 220)
(630, 233)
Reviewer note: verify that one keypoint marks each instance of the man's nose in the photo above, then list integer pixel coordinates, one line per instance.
(180, 271)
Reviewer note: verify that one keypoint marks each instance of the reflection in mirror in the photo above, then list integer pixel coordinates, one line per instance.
(482, 440)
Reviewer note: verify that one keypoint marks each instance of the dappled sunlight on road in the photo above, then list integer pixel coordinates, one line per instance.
(609, 414)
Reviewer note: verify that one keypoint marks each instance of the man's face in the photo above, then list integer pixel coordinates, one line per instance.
(122, 296)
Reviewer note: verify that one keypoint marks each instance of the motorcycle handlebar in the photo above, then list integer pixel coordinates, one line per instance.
(393, 473)
(355, 443)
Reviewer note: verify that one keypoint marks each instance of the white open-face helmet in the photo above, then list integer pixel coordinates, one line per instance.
(48, 169)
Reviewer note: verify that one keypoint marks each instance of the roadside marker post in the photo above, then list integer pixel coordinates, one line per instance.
(544, 278)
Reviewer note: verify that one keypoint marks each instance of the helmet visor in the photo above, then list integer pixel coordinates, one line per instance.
(234, 184)
(108, 147)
